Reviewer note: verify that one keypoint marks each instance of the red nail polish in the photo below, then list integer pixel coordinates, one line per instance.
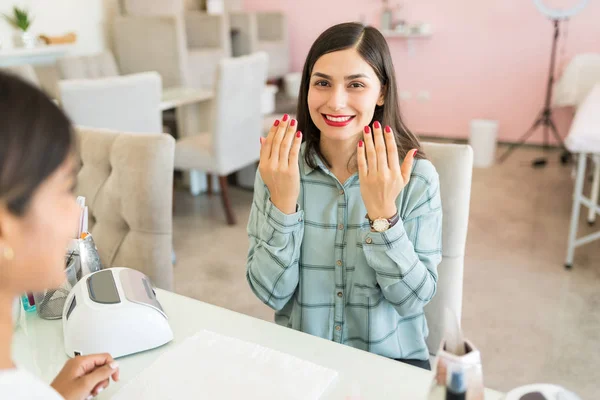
(276, 123)
(388, 129)
(360, 143)
(376, 124)
(367, 129)
(285, 117)
(414, 153)
(298, 134)
(293, 122)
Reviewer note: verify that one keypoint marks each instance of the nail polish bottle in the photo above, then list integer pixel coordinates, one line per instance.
(456, 384)
(28, 302)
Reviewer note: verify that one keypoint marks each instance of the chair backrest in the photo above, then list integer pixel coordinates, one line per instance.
(245, 40)
(454, 164)
(152, 44)
(25, 72)
(128, 103)
(272, 26)
(206, 31)
(237, 119)
(139, 8)
(101, 65)
(126, 180)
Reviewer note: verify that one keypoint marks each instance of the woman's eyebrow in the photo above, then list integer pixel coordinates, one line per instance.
(348, 78)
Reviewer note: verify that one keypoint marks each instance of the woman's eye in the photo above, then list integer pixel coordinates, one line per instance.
(356, 85)
(321, 83)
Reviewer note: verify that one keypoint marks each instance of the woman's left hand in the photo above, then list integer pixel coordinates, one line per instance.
(381, 176)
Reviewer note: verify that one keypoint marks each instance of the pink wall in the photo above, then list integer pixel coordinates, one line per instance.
(486, 59)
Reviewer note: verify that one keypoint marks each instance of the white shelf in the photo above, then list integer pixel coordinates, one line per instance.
(404, 35)
(37, 55)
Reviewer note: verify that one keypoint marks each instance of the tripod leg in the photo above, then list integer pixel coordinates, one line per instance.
(555, 133)
(565, 157)
(521, 141)
(546, 136)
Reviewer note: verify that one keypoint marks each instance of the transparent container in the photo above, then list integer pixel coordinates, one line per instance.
(81, 261)
(50, 302)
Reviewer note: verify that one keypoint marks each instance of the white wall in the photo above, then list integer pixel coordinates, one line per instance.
(89, 19)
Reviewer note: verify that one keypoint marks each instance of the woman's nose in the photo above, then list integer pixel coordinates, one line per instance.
(337, 100)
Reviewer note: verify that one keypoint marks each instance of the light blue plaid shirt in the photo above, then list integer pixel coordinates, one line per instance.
(326, 273)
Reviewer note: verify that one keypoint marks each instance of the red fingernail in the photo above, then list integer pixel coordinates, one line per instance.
(376, 124)
(276, 122)
(414, 153)
(285, 117)
(367, 129)
(293, 123)
(388, 129)
(360, 143)
(298, 134)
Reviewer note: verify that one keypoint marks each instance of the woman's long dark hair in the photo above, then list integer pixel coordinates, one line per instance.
(36, 137)
(373, 48)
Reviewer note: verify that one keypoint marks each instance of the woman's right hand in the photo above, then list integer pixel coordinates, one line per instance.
(83, 377)
(278, 165)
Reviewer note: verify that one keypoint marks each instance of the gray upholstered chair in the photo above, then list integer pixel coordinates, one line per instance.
(183, 45)
(126, 179)
(101, 65)
(454, 164)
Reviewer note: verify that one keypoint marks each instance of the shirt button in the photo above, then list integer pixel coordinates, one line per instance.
(338, 328)
(341, 227)
(340, 294)
(339, 263)
(341, 192)
(369, 240)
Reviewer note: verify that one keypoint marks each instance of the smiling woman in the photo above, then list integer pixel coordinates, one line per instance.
(347, 70)
(345, 228)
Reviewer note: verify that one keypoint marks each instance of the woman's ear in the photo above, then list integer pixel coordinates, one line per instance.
(381, 99)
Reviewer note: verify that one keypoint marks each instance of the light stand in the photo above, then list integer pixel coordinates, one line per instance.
(544, 118)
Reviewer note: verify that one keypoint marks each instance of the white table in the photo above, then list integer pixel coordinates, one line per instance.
(41, 55)
(38, 347)
(180, 96)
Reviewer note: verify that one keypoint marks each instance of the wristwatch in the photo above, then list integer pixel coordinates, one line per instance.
(383, 224)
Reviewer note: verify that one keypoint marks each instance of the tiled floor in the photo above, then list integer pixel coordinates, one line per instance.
(533, 320)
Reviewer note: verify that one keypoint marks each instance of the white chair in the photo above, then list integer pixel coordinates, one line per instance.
(584, 140)
(101, 65)
(184, 46)
(263, 31)
(454, 164)
(233, 142)
(25, 72)
(126, 103)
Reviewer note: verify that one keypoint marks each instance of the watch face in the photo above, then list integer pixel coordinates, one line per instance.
(381, 224)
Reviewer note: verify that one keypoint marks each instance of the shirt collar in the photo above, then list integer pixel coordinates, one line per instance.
(317, 160)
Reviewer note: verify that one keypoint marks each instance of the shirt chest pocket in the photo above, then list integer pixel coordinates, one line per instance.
(363, 279)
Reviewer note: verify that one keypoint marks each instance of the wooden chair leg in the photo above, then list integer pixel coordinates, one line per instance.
(209, 188)
(225, 198)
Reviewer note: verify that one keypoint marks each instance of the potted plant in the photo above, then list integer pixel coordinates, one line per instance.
(21, 20)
